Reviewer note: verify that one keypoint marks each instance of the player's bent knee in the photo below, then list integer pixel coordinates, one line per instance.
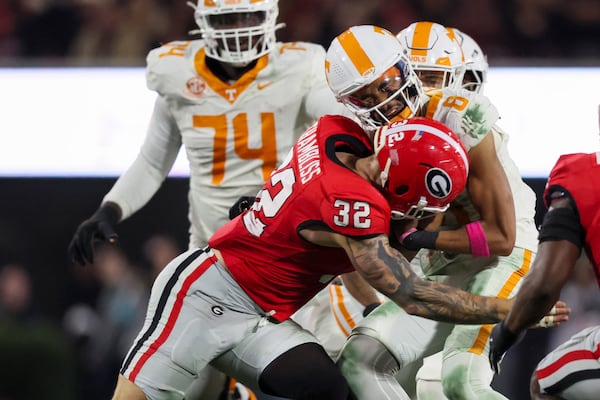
(364, 357)
(127, 390)
(463, 384)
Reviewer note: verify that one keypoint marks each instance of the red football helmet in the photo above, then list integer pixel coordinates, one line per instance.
(424, 166)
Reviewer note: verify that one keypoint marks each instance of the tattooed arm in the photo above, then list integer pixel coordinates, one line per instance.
(384, 268)
(388, 271)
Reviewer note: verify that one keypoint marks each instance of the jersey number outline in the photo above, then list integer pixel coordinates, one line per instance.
(358, 211)
(457, 102)
(267, 152)
(282, 183)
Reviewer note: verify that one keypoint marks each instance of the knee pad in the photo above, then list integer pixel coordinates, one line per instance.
(369, 369)
(429, 379)
(365, 353)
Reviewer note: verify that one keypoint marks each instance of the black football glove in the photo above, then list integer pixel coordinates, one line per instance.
(99, 227)
(415, 239)
(241, 205)
(501, 340)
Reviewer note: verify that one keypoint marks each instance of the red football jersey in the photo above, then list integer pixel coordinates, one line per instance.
(579, 174)
(278, 269)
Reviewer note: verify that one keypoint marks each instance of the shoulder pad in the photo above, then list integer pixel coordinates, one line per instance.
(470, 115)
(170, 66)
(298, 49)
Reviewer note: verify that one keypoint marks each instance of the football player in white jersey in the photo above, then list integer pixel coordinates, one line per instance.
(483, 244)
(236, 100)
(429, 377)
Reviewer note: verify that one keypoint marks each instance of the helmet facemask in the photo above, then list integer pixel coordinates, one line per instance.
(476, 65)
(436, 77)
(434, 54)
(237, 34)
(403, 97)
(473, 80)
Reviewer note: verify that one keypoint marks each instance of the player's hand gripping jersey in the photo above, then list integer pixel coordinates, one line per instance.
(235, 133)
(312, 188)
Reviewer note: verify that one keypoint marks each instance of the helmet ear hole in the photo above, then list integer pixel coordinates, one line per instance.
(400, 190)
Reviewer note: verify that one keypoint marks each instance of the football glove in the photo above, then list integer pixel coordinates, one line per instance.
(99, 227)
(241, 205)
(501, 339)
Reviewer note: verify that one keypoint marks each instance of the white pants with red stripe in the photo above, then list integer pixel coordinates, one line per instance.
(198, 315)
(572, 370)
(466, 373)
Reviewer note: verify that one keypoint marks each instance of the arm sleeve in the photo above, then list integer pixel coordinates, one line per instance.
(143, 178)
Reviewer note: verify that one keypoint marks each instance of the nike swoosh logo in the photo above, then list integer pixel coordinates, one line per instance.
(261, 86)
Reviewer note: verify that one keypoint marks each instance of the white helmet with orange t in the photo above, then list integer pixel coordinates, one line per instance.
(368, 72)
(476, 65)
(434, 54)
(237, 31)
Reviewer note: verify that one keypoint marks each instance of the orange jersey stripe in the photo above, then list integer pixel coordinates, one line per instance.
(336, 298)
(505, 291)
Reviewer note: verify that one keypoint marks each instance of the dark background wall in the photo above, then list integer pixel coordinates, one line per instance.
(38, 217)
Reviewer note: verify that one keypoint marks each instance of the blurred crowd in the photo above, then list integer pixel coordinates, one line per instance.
(78, 355)
(120, 32)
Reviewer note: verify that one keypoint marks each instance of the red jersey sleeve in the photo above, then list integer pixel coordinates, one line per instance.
(360, 211)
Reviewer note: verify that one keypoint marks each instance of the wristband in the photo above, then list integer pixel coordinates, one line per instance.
(405, 234)
(368, 309)
(477, 239)
(416, 239)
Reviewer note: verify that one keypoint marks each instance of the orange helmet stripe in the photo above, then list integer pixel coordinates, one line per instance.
(356, 53)
(420, 42)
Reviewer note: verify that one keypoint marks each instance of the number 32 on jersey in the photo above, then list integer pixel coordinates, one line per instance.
(270, 201)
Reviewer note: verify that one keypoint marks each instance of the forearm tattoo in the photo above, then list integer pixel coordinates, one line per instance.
(389, 272)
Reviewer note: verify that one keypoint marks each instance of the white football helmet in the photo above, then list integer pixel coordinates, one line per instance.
(434, 54)
(476, 65)
(237, 32)
(364, 55)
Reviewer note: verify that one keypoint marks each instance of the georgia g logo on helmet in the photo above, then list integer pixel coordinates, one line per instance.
(438, 183)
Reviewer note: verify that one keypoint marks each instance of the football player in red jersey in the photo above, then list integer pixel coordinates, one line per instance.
(325, 211)
(571, 371)
(235, 100)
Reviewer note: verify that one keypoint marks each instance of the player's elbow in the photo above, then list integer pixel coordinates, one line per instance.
(503, 243)
(506, 247)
